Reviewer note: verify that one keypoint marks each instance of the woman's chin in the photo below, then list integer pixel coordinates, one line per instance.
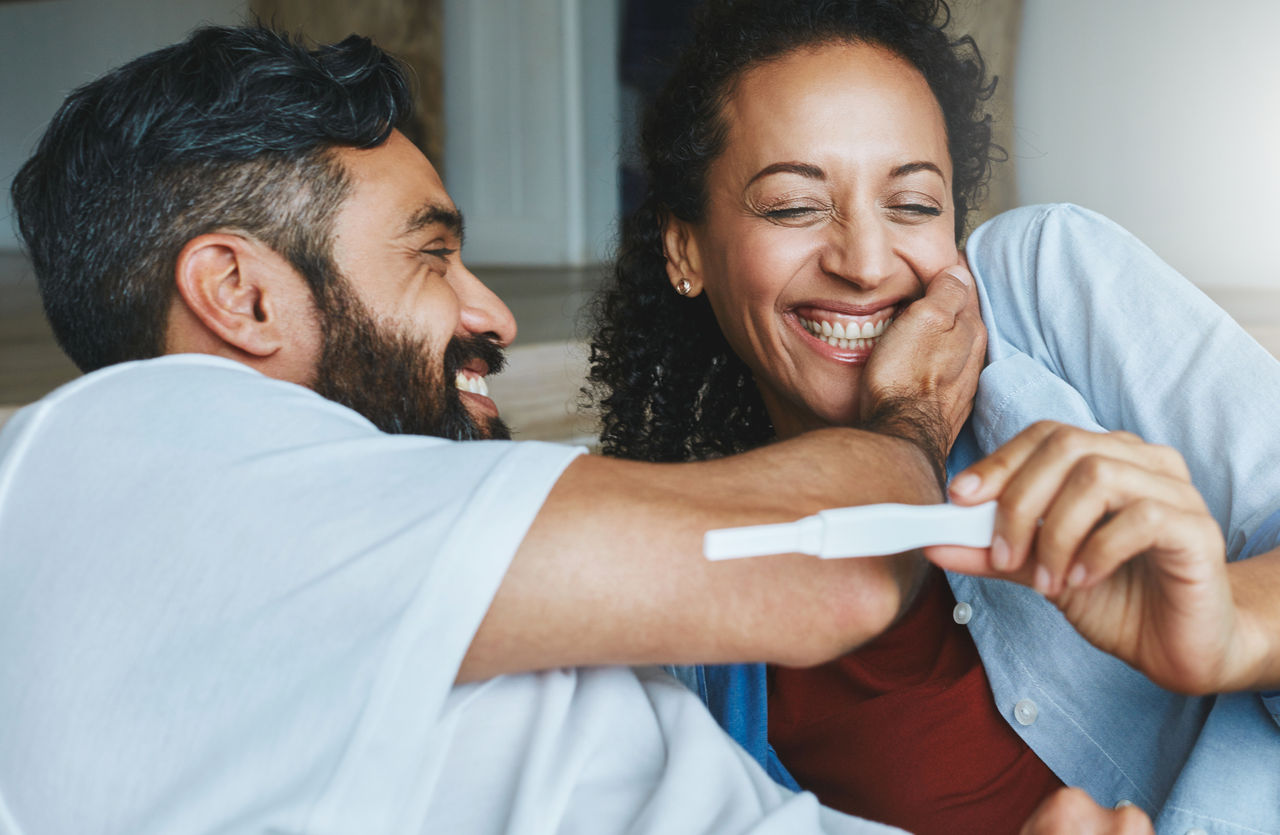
(788, 423)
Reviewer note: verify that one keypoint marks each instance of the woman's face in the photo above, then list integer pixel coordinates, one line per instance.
(829, 210)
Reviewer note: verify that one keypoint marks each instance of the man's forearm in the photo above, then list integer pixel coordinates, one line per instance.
(612, 571)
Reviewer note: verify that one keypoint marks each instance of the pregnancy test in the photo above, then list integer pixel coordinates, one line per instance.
(871, 530)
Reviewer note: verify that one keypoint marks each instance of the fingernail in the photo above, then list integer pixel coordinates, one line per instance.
(965, 484)
(1001, 556)
(1044, 580)
(960, 275)
(1076, 577)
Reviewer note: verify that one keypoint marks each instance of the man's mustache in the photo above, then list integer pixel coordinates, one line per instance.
(463, 349)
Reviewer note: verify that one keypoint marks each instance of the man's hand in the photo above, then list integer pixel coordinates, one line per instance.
(1072, 812)
(1111, 530)
(928, 360)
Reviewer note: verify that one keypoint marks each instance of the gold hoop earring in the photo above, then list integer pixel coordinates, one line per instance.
(683, 286)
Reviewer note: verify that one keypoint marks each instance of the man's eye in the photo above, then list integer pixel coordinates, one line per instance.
(442, 253)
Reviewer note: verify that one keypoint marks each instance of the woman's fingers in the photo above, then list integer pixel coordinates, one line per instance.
(1097, 491)
(1068, 480)
(1177, 536)
(988, 478)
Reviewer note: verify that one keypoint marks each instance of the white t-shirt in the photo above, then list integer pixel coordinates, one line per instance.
(230, 605)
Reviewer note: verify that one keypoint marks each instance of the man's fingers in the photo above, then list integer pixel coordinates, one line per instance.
(950, 293)
(1072, 811)
(932, 354)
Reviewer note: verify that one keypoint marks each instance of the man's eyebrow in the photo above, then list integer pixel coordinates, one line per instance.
(913, 167)
(804, 169)
(435, 214)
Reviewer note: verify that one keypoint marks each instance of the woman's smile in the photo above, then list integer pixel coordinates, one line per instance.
(828, 212)
(841, 336)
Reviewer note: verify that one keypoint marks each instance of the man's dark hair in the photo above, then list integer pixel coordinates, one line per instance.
(232, 129)
(668, 385)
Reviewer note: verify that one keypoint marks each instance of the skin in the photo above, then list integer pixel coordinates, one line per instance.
(649, 596)
(814, 215)
(400, 235)
(811, 213)
(1072, 811)
(831, 200)
(1111, 529)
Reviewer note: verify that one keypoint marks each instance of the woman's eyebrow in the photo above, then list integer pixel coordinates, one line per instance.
(804, 169)
(913, 167)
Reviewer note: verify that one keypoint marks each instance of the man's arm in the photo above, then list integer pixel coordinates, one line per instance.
(612, 569)
(612, 572)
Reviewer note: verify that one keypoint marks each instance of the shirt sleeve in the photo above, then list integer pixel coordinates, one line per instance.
(230, 589)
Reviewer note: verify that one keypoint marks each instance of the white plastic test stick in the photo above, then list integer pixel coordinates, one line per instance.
(866, 531)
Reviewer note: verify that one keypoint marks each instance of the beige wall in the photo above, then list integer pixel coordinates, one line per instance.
(994, 26)
(1165, 116)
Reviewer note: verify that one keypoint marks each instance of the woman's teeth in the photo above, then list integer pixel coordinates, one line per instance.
(475, 385)
(846, 336)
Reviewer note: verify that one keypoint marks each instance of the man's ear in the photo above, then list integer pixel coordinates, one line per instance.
(684, 265)
(231, 285)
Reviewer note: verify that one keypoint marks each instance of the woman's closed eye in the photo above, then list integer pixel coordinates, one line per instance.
(790, 212)
(917, 209)
(794, 214)
(913, 206)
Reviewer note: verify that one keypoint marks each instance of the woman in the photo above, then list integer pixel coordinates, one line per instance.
(812, 166)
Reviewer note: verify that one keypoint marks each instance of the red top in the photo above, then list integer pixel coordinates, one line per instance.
(905, 730)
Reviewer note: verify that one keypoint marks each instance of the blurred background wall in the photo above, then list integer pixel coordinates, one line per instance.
(49, 47)
(1164, 114)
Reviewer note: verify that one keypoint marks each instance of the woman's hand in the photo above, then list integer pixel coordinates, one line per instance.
(1112, 531)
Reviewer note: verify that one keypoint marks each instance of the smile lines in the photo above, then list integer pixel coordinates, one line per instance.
(846, 336)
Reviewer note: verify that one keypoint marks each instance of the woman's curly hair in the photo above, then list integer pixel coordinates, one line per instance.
(667, 384)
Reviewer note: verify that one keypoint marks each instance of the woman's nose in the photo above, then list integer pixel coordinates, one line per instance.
(860, 252)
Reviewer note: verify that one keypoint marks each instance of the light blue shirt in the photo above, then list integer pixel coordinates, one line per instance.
(1087, 326)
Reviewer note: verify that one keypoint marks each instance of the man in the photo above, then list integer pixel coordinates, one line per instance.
(231, 599)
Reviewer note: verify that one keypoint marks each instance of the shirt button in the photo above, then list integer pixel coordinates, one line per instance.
(1195, 830)
(1025, 712)
(1124, 803)
(962, 613)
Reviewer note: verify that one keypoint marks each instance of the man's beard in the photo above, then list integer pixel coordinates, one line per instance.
(392, 379)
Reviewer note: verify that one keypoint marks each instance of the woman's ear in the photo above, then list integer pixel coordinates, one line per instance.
(229, 284)
(684, 266)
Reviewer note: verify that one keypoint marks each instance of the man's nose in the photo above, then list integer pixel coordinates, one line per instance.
(482, 310)
(859, 251)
